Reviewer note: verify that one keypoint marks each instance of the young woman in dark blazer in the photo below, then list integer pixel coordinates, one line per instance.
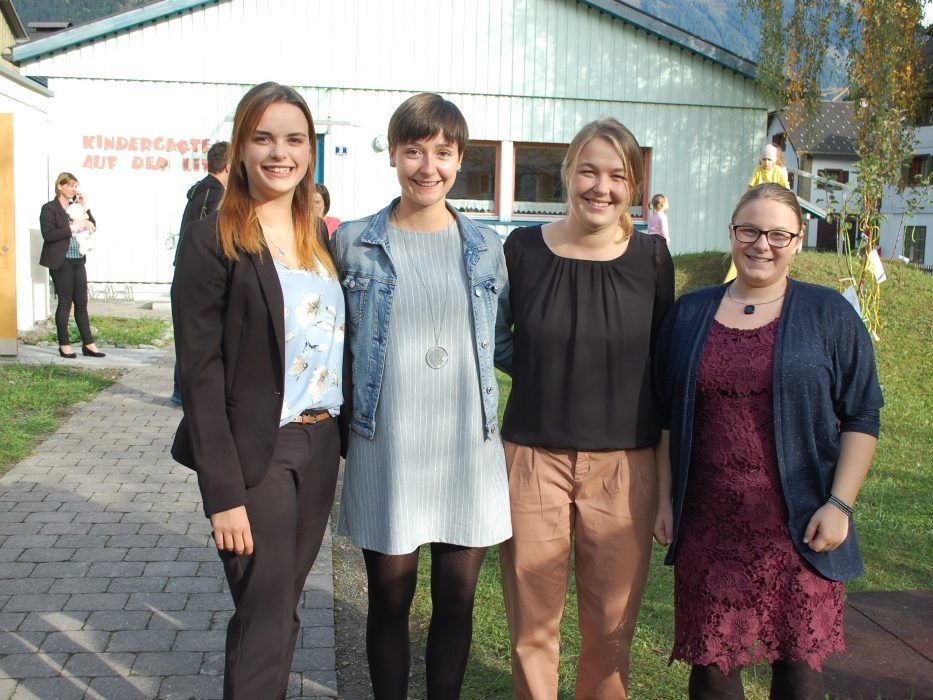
(61, 254)
(259, 325)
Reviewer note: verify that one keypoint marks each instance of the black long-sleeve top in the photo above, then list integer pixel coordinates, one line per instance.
(581, 338)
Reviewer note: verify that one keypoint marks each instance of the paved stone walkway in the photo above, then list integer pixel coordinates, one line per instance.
(109, 585)
(890, 640)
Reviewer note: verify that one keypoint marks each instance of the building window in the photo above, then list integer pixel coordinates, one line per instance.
(482, 183)
(915, 243)
(538, 189)
(918, 169)
(926, 112)
(474, 192)
(832, 174)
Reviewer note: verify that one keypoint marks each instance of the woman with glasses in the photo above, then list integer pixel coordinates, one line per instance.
(770, 403)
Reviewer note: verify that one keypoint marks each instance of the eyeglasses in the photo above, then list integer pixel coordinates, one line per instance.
(750, 234)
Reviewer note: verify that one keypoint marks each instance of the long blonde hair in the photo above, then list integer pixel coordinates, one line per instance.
(626, 147)
(238, 226)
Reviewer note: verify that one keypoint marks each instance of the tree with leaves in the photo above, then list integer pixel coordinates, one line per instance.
(883, 38)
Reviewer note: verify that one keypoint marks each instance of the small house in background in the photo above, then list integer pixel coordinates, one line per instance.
(821, 161)
(906, 233)
(139, 97)
(24, 187)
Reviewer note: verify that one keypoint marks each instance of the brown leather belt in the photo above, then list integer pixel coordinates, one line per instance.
(311, 417)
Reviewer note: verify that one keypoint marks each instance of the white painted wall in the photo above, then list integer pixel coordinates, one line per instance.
(534, 71)
(535, 48)
(834, 199)
(893, 207)
(31, 188)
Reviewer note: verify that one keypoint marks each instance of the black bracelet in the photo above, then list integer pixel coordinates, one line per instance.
(840, 504)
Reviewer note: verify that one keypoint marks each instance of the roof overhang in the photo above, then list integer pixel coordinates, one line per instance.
(12, 19)
(84, 33)
(23, 81)
(811, 208)
(675, 35)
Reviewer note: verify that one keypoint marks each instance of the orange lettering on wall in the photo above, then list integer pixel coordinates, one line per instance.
(185, 147)
(100, 162)
(195, 164)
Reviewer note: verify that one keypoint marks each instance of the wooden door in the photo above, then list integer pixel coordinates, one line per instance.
(7, 244)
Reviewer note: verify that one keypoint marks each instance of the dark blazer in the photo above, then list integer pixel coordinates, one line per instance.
(229, 318)
(56, 233)
(824, 383)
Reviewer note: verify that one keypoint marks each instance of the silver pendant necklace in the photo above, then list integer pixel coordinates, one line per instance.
(275, 244)
(436, 356)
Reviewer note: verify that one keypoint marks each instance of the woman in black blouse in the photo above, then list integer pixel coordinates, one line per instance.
(586, 297)
(65, 260)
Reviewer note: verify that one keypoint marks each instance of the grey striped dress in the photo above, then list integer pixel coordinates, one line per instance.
(428, 475)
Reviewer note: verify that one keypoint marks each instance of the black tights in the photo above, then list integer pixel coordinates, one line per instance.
(392, 580)
(790, 680)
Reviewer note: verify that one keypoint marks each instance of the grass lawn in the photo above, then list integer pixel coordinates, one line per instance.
(112, 330)
(893, 515)
(33, 400)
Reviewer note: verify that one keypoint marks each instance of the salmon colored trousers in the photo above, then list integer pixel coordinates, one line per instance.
(604, 505)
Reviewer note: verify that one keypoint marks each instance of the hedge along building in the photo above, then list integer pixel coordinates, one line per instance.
(139, 96)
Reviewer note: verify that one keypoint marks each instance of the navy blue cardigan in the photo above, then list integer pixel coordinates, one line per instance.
(825, 383)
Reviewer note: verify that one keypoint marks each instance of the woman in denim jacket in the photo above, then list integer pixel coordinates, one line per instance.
(425, 462)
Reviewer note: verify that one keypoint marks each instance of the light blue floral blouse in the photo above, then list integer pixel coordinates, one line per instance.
(315, 321)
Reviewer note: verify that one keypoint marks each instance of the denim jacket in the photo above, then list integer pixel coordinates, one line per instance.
(363, 257)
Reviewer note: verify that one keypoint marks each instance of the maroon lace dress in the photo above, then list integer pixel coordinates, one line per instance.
(742, 592)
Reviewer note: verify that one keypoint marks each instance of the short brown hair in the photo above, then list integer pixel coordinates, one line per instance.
(217, 157)
(424, 115)
(771, 190)
(626, 147)
(64, 179)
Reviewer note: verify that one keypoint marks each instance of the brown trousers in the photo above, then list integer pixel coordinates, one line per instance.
(604, 503)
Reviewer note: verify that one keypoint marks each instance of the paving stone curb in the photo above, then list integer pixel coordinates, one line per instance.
(109, 584)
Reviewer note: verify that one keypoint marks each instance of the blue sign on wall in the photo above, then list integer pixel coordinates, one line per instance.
(319, 165)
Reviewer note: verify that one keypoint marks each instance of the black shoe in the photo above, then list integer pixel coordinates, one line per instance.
(90, 353)
(69, 355)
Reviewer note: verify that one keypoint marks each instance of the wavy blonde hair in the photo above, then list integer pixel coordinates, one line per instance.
(238, 226)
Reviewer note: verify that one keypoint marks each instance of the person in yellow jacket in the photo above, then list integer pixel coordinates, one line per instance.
(767, 170)
(770, 168)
